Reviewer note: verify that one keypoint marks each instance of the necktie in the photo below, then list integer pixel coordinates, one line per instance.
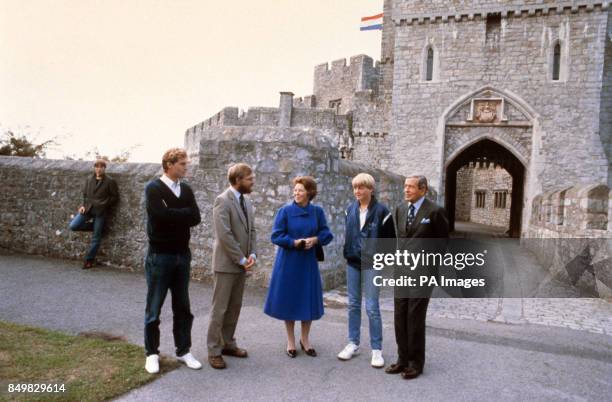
(410, 218)
(243, 206)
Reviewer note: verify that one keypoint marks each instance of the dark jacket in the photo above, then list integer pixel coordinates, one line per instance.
(378, 225)
(169, 218)
(428, 233)
(98, 198)
(430, 222)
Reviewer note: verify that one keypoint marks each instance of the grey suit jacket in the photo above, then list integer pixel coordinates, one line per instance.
(232, 239)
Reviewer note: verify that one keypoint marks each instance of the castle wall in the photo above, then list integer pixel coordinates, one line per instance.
(465, 189)
(370, 129)
(489, 180)
(569, 231)
(605, 124)
(41, 195)
(387, 47)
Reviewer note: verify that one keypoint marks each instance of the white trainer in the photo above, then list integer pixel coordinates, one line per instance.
(349, 351)
(377, 358)
(190, 361)
(152, 364)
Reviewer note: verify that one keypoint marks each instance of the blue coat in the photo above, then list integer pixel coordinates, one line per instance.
(295, 291)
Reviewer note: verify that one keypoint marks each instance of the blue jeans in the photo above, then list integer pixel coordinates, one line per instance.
(84, 223)
(357, 280)
(168, 272)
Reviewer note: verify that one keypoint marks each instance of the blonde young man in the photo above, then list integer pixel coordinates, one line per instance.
(366, 218)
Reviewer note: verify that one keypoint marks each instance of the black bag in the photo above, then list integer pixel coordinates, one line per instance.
(320, 253)
(318, 247)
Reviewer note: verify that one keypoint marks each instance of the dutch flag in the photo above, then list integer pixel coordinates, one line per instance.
(374, 22)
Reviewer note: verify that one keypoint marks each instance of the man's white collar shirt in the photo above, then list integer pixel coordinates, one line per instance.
(174, 186)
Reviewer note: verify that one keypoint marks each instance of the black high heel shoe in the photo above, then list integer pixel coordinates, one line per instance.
(309, 352)
(292, 353)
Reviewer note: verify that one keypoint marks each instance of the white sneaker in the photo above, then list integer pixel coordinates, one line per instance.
(152, 364)
(377, 358)
(190, 361)
(349, 351)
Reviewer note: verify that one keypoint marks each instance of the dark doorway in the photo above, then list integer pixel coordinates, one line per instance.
(485, 152)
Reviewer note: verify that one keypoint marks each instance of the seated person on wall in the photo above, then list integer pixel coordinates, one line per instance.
(100, 193)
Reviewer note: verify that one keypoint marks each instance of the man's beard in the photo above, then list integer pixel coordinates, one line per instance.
(244, 189)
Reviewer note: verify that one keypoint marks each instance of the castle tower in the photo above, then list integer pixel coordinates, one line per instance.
(524, 84)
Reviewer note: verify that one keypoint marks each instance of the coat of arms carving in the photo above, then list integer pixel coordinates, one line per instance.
(486, 112)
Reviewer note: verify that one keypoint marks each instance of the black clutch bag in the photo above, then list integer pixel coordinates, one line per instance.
(320, 253)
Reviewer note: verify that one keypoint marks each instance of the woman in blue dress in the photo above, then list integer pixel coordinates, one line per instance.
(295, 292)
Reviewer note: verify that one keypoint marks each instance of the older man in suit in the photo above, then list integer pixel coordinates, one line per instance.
(417, 218)
(234, 255)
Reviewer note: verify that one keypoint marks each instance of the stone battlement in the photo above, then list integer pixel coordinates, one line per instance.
(584, 210)
(354, 63)
(267, 116)
(419, 12)
(335, 86)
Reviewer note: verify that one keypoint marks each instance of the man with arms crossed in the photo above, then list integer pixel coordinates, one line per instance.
(171, 212)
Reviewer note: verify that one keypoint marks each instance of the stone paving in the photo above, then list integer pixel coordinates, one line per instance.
(593, 315)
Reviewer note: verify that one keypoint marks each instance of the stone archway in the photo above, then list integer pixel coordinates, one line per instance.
(488, 151)
(489, 120)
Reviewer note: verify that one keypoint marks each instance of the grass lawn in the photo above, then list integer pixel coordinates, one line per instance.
(91, 368)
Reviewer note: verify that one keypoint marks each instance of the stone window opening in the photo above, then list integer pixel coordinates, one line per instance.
(430, 64)
(429, 67)
(500, 199)
(557, 61)
(335, 104)
(480, 198)
(493, 29)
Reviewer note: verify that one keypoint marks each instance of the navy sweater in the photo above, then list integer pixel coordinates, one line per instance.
(169, 218)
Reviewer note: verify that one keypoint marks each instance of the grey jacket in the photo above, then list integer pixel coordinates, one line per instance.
(232, 240)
